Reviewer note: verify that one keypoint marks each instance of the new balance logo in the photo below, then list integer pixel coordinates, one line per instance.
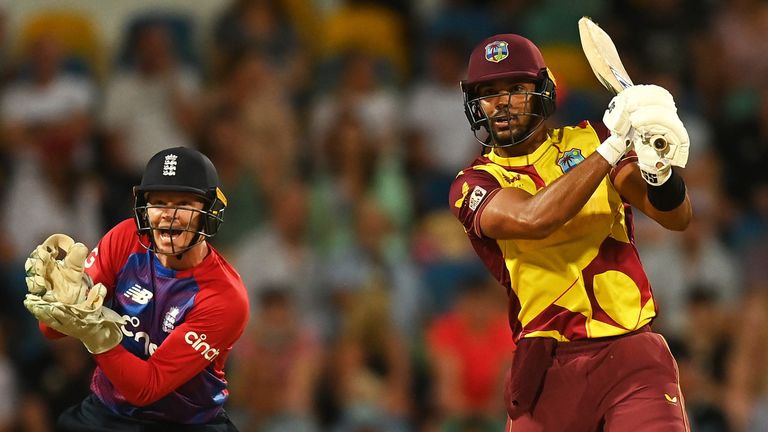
(138, 294)
(169, 166)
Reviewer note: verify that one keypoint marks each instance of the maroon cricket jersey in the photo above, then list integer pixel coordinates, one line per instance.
(584, 280)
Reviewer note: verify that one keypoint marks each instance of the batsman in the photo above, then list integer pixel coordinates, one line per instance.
(155, 304)
(549, 212)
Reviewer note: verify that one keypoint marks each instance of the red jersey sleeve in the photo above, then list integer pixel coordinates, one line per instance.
(203, 340)
(105, 260)
(470, 193)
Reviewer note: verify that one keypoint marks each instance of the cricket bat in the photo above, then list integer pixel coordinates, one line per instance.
(606, 64)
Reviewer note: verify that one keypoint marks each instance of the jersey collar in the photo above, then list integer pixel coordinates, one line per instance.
(522, 160)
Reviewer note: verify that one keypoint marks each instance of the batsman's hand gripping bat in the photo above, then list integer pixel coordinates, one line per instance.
(606, 64)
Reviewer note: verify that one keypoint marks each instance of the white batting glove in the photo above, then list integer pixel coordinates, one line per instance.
(653, 114)
(58, 280)
(617, 119)
(656, 122)
(614, 148)
(654, 168)
(643, 95)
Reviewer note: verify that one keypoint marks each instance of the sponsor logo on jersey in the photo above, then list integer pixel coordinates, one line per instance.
(139, 336)
(670, 399)
(139, 294)
(169, 321)
(511, 179)
(570, 159)
(169, 166)
(197, 341)
(496, 51)
(476, 197)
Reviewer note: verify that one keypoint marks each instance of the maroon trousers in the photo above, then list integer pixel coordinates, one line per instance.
(629, 383)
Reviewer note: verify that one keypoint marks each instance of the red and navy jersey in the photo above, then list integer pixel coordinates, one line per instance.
(181, 327)
(584, 280)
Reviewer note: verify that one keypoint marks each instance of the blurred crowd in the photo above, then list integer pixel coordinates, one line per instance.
(336, 127)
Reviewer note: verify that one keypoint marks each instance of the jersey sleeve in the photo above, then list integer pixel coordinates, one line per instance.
(204, 338)
(106, 259)
(470, 192)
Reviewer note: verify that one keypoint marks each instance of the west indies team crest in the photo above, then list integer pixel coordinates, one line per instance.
(496, 51)
(570, 159)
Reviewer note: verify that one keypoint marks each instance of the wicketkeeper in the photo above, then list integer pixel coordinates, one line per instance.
(155, 304)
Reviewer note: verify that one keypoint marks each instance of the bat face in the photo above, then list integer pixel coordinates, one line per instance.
(602, 56)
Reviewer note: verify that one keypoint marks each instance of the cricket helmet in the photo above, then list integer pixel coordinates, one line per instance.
(181, 169)
(507, 56)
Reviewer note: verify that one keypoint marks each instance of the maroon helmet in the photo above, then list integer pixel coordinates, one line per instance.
(507, 56)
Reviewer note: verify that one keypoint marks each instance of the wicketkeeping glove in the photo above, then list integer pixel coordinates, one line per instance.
(96, 325)
(58, 280)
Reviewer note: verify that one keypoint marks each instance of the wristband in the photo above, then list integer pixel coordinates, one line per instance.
(669, 195)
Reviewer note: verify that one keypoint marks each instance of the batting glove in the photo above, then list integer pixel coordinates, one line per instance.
(617, 119)
(653, 114)
(660, 129)
(654, 168)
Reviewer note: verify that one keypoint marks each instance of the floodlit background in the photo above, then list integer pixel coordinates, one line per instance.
(336, 127)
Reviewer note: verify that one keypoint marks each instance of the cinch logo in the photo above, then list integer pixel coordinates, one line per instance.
(138, 294)
(169, 166)
(203, 348)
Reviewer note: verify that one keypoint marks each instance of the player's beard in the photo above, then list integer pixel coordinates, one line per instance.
(511, 129)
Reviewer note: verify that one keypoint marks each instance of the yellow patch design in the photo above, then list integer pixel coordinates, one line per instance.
(504, 177)
(464, 191)
(554, 334)
(618, 295)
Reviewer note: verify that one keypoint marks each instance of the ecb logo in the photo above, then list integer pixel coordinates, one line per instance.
(570, 159)
(496, 51)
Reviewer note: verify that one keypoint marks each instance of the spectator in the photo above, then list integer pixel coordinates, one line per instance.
(46, 117)
(438, 143)
(150, 106)
(370, 367)
(279, 254)
(280, 356)
(470, 349)
(9, 396)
